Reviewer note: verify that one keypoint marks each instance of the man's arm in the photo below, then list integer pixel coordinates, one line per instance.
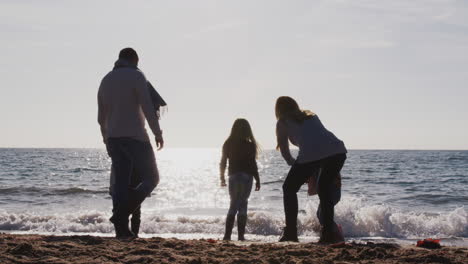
(102, 116)
(147, 106)
(283, 143)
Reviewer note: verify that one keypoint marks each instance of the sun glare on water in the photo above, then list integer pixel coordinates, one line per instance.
(189, 181)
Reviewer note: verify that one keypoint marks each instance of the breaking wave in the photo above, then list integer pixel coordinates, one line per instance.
(356, 218)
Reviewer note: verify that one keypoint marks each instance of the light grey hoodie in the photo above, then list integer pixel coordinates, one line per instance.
(124, 103)
(315, 142)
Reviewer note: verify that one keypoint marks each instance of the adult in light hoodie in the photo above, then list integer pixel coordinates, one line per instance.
(124, 103)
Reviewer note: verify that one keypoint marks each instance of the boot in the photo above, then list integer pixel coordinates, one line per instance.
(289, 234)
(118, 231)
(331, 236)
(325, 237)
(135, 224)
(229, 225)
(135, 221)
(121, 228)
(338, 236)
(241, 223)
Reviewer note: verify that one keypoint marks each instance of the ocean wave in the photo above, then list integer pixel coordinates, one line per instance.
(458, 158)
(360, 220)
(77, 170)
(356, 218)
(50, 191)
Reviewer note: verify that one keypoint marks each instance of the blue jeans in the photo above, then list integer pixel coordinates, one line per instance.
(240, 186)
(131, 156)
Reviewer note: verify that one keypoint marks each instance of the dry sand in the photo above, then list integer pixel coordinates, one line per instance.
(88, 249)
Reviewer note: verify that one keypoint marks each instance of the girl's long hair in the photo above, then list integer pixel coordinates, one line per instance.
(287, 108)
(242, 132)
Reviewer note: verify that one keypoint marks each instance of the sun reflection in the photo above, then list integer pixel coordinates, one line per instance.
(189, 181)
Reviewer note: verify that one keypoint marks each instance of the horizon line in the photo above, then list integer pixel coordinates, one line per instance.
(102, 148)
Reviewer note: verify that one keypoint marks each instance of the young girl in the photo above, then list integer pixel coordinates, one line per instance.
(318, 149)
(241, 150)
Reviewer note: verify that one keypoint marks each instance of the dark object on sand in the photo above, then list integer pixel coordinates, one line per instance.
(429, 243)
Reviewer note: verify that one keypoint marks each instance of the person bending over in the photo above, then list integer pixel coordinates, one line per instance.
(318, 149)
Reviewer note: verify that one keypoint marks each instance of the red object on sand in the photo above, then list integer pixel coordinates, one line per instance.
(429, 243)
(210, 240)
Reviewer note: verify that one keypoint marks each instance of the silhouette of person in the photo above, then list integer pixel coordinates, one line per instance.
(240, 149)
(125, 100)
(318, 149)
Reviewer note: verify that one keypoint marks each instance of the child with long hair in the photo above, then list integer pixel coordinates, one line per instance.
(241, 150)
(318, 149)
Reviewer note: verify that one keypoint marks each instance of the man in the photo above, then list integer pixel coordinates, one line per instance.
(124, 102)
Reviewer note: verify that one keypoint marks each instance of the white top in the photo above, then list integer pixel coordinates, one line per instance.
(315, 142)
(123, 104)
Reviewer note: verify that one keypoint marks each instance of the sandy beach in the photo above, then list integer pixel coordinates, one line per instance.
(89, 249)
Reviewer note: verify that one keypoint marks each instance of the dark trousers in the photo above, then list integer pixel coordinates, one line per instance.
(131, 156)
(135, 220)
(298, 175)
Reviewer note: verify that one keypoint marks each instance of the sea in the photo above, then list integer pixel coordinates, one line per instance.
(387, 196)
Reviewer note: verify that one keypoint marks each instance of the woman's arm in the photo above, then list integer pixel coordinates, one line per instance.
(102, 116)
(283, 143)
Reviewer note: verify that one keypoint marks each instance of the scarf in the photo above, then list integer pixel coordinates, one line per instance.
(156, 98)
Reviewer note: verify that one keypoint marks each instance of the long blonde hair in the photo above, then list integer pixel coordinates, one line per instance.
(287, 108)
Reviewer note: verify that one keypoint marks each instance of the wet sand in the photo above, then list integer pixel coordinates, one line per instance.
(39, 249)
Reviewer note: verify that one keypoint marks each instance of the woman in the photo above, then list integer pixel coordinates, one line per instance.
(318, 149)
(241, 150)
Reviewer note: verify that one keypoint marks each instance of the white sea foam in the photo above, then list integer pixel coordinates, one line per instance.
(356, 218)
(361, 220)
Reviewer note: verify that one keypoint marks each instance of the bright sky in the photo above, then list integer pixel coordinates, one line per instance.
(380, 74)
